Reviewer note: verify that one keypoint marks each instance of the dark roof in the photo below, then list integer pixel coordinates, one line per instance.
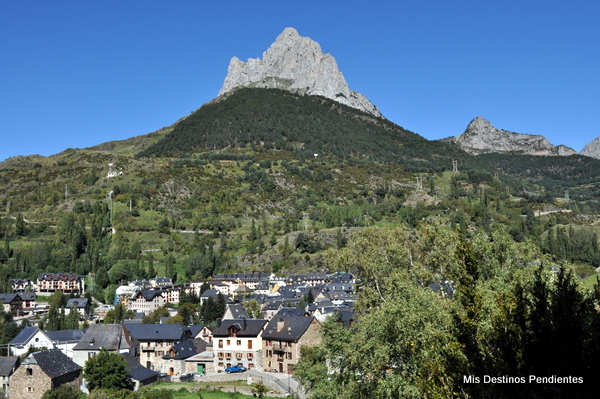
(238, 311)
(66, 335)
(210, 292)
(8, 364)
(292, 329)
(24, 336)
(245, 328)
(291, 312)
(60, 276)
(187, 348)
(156, 332)
(79, 302)
(136, 370)
(8, 298)
(53, 362)
(148, 294)
(108, 336)
(28, 296)
(196, 328)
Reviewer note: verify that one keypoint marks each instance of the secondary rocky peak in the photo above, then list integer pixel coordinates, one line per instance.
(481, 137)
(592, 149)
(297, 64)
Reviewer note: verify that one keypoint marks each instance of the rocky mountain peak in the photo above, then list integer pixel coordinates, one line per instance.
(481, 137)
(297, 64)
(592, 149)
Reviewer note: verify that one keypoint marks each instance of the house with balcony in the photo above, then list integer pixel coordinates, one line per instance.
(156, 340)
(238, 342)
(283, 337)
(68, 283)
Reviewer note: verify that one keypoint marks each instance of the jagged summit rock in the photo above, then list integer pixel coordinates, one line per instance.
(592, 149)
(297, 64)
(481, 137)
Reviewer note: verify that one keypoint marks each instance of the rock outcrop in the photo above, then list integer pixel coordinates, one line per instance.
(297, 64)
(592, 149)
(481, 137)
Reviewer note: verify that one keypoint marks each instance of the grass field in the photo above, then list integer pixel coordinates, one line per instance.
(209, 390)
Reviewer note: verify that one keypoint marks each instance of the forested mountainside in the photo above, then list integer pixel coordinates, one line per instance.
(271, 119)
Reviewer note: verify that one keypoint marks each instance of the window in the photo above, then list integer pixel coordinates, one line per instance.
(289, 355)
(238, 342)
(238, 356)
(221, 344)
(29, 371)
(29, 389)
(228, 342)
(250, 356)
(91, 354)
(250, 344)
(269, 353)
(250, 365)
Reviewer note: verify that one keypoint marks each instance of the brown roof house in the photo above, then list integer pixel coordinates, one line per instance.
(42, 371)
(112, 337)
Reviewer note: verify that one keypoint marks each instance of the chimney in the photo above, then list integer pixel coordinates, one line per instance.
(280, 324)
(218, 322)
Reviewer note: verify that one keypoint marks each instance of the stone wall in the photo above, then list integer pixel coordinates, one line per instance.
(29, 382)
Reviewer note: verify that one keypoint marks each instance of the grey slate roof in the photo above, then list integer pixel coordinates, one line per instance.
(293, 327)
(8, 364)
(196, 328)
(59, 276)
(245, 328)
(66, 335)
(238, 311)
(81, 303)
(159, 332)
(28, 296)
(187, 348)
(8, 298)
(24, 336)
(108, 336)
(53, 362)
(136, 370)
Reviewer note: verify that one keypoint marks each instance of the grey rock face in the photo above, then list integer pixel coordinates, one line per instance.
(297, 64)
(592, 149)
(481, 137)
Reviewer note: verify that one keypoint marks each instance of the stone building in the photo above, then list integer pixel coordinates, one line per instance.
(156, 340)
(283, 337)
(174, 362)
(42, 371)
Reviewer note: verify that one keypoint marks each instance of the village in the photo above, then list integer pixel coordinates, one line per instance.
(265, 339)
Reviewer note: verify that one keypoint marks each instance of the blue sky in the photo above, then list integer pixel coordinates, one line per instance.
(79, 73)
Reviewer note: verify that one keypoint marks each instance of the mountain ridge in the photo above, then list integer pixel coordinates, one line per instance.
(482, 137)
